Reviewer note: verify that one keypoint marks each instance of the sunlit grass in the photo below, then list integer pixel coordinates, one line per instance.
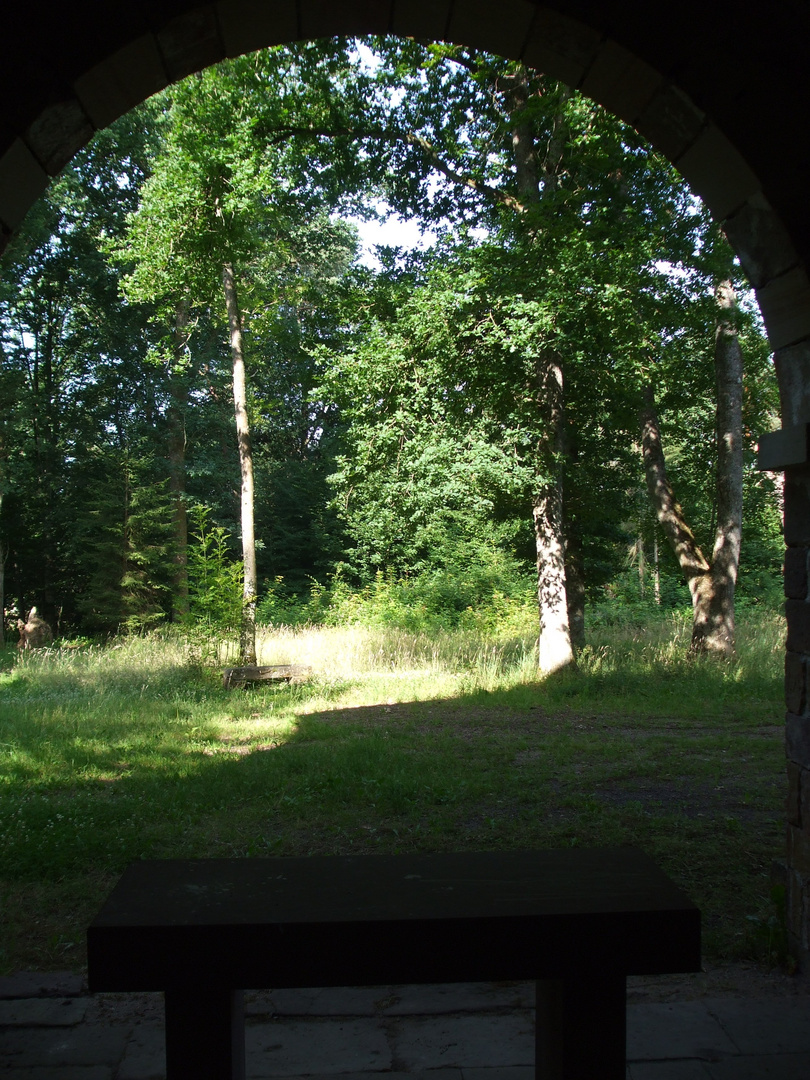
(395, 741)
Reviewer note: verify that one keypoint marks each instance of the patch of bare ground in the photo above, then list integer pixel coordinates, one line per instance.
(740, 980)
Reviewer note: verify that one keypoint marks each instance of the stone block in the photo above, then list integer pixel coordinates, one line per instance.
(57, 133)
(415, 18)
(717, 172)
(247, 25)
(797, 508)
(121, 82)
(798, 851)
(793, 811)
(325, 18)
(191, 42)
(57, 1048)
(797, 739)
(43, 1012)
(761, 241)
(462, 1042)
(561, 47)
(620, 81)
(795, 906)
(310, 1047)
(793, 375)
(671, 122)
(795, 683)
(145, 1055)
(22, 179)
(796, 575)
(785, 306)
(798, 626)
(674, 1030)
(772, 1026)
(500, 28)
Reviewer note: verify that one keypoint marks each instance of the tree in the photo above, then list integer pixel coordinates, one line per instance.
(223, 204)
(711, 584)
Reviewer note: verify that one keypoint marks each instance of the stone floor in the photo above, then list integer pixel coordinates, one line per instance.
(50, 1029)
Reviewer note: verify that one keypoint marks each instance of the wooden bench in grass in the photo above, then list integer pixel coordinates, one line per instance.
(241, 676)
(577, 921)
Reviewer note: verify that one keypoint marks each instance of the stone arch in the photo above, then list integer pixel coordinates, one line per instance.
(723, 98)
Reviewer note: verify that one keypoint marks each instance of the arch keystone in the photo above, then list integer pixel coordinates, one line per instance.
(325, 18)
(421, 19)
(497, 28)
(247, 25)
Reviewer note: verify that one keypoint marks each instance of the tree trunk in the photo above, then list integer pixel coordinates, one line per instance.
(554, 646)
(177, 465)
(247, 641)
(713, 629)
(554, 643)
(710, 586)
(575, 589)
(656, 572)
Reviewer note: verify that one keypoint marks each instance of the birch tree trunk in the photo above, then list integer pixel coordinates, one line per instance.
(247, 640)
(711, 585)
(554, 646)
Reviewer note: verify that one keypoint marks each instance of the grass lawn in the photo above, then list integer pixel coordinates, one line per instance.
(396, 743)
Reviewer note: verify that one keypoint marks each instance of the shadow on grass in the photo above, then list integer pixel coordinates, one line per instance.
(690, 769)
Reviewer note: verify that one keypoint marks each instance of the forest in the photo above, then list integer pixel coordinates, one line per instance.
(217, 410)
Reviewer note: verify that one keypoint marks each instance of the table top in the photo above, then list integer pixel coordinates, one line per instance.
(369, 888)
(359, 920)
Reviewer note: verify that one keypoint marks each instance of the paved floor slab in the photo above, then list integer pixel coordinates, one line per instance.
(83, 1045)
(513, 1072)
(145, 1054)
(43, 1012)
(668, 1070)
(61, 1072)
(295, 1048)
(328, 1001)
(683, 1030)
(463, 1042)
(762, 1067)
(765, 1026)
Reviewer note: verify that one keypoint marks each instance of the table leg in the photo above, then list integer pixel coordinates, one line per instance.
(581, 1028)
(205, 1035)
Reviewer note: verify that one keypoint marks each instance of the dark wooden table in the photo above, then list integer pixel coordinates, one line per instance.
(577, 921)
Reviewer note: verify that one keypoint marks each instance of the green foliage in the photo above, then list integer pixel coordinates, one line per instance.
(492, 594)
(214, 576)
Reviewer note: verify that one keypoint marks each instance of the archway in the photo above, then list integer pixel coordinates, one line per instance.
(723, 101)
